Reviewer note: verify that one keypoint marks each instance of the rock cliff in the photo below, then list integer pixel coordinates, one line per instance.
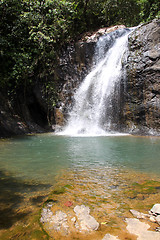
(139, 97)
(142, 86)
(40, 108)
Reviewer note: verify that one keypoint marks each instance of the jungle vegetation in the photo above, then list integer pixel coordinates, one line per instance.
(32, 31)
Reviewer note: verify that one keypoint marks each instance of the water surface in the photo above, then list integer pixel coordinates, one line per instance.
(41, 157)
(29, 165)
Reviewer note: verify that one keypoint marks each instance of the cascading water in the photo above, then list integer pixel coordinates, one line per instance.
(93, 110)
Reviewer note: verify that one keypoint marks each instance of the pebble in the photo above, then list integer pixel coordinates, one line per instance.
(73, 219)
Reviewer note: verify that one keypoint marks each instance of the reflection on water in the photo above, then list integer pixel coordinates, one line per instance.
(139, 153)
(41, 157)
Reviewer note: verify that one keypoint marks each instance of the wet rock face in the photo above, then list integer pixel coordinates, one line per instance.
(21, 118)
(142, 89)
(74, 63)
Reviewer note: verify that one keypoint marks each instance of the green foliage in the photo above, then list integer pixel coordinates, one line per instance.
(32, 31)
(149, 9)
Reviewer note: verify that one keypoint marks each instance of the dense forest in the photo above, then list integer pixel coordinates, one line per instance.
(32, 32)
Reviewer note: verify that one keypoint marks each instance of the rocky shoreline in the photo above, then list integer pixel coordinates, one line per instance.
(100, 210)
(83, 222)
(89, 203)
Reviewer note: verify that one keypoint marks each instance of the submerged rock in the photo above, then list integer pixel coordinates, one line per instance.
(139, 214)
(135, 226)
(86, 221)
(57, 222)
(78, 221)
(153, 216)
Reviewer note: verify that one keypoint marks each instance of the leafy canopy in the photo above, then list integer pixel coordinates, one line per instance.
(32, 31)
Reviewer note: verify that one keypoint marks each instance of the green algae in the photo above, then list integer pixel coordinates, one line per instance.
(68, 186)
(37, 234)
(58, 191)
(108, 206)
(143, 190)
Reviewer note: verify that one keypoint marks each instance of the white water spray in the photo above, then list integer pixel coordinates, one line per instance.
(90, 114)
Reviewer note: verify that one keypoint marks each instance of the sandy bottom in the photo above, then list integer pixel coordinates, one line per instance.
(110, 194)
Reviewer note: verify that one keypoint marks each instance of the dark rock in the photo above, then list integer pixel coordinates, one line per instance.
(142, 89)
(74, 64)
(21, 116)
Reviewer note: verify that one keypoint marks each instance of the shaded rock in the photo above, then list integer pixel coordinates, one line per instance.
(73, 64)
(134, 226)
(110, 237)
(85, 220)
(20, 115)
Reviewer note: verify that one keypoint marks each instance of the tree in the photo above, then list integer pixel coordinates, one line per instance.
(32, 31)
(150, 9)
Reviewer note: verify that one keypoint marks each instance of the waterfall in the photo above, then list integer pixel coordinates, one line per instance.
(96, 103)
